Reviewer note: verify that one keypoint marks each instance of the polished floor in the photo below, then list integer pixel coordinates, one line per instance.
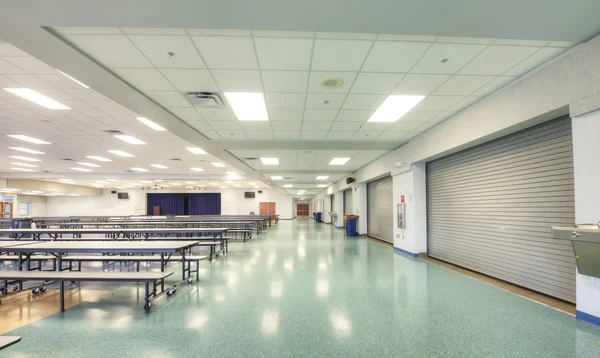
(304, 290)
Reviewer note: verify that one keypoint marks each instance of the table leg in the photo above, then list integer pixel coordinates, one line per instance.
(162, 269)
(59, 260)
(62, 295)
(183, 265)
(147, 298)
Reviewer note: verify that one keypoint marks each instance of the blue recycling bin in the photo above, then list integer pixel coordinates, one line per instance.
(351, 226)
(318, 217)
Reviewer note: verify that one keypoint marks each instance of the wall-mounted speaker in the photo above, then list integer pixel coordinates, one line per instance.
(113, 191)
(260, 191)
(349, 180)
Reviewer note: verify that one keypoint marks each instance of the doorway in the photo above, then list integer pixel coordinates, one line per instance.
(301, 209)
(267, 208)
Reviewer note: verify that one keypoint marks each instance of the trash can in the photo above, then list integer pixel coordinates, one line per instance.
(351, 221)
(318, 217)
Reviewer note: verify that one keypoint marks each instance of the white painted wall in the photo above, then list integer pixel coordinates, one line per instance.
(232, 202)
(586, 148)
(412, 184)
(37, 205)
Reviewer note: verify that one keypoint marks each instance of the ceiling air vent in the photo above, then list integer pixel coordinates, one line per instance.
(175, 159)
(205, 99)
(250, 159)
(287, 178)
(67, 159)
(112, 131)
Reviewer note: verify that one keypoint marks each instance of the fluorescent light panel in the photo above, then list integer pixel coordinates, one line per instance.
(248, 106)
(72, 79)
(276, 177)
(129, 139)
(339, 161)
(81, 169)
(100, 159)
(322, 177)
(24, 158)
(322, 185)
(91, 165)
(218, 165)
(23, 169)
(121, 153)
(139, 169)
(24, 165)
(36, 98)
(159, 166)
(394, 107)
(28, 139)
(288, 186)
(197, 169)
(270, 161)
(196, 150)
(151, 124)
(26, 150)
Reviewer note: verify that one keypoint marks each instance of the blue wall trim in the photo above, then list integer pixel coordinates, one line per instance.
(406, 252)
(586, 317)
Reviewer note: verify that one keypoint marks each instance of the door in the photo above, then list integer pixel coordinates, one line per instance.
(380, 212)
(490, 208)
(267, 208)
(348, 202)
(301, 209)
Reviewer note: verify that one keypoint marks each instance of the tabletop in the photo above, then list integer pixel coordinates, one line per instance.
(170, 246)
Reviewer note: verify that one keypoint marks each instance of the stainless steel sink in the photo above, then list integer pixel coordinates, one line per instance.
(586, 245)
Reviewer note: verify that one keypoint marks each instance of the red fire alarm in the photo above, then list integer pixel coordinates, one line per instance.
(402, 199)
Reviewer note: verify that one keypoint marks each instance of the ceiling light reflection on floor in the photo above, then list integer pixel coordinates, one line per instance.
(270, 323)
(276, 288)
(323, 288)
(342, 326)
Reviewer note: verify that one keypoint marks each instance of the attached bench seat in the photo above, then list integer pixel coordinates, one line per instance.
(247, 233)
(63, 276)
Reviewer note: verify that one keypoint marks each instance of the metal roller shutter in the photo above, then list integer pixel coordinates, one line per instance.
(348, 202)
(490, 208)
(332, 198)
(380, 217)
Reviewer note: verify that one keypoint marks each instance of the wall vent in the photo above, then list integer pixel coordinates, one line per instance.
(112, 131)
(287, 178)
(205, 99)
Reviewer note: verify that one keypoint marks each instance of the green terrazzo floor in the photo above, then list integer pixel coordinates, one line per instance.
(304, 290)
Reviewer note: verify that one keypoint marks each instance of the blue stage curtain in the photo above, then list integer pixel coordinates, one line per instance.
(170, 204)
(205, 204)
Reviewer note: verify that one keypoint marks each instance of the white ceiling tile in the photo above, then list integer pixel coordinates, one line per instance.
(313, 135)
(375, 127)
(259, 134)
(316, 126)
(187, 80)
(156, 49)
(285, 81)
(295, 34)
(145, 79)
(346, 115)
(424, 127)
(201, 124)
(285, 100)
(314, 85)
(111, 50)
(464, 103)
(458, 55)
(494, 85)
(82, 93)
(217, 114)
(441, 117)
(256, 126)
(7, 49)
(286, 125)
(339, 135)
(58, 80)
(465, 40)
(286, 115)
(346, 126)
(388, 37)
(366, 135)
(153, 31)
(29, 81)
(87, 30)
(31, 65)
(418, 116)
(402, 126)
(7, 68)
(315, 100)
(56, 94)
(461, 85)
(169, 98)
(225, 125)
(238, 80)
(521, 42)
(393, 135)
(390, 56)
(345, 36)
(227, 52)
(8, 83)
(542, 56)
(286, 134)
(376, 83)
(564, 44)
(339, 55)
(419, 84)
(320, 115)
(363, 101)
(219, 32)
(187, 114)
(211, 134)
(496, 60)
(437, 103)
(283, 53)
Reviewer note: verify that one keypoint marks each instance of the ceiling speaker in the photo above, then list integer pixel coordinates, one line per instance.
(349, 180)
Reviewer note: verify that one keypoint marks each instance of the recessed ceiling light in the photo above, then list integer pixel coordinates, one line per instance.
(288, 186)
(23, 169)
(74, 194)
(197, 169)
(24, 165)
(223, 187)
(111, 180)
(252, 183)
(81, 169)
(145, 181)
(122, 187)
(276, 177)
(165, 185)
(270, 161)
(201, 185)
(322, 185)
(98, 185)
(26, 150)
(214, 184)
(129, 139)
(158, 180)
(137, 184)
(151, 124)
(229, 182)
(91, 165)
(237, 186)
(339, 161)
(139, 169)
(322, 177)
(218, 165)
(37, 192)
(196, 150)
(120, 153)
(28, 139)
(159, 166)
(394, 107)
(175, 184)
(102, 182)
(248, 106)
(36, 98)
(100, 159)
(67, 180)
(71, 78)
(24, 158)
(190, 182)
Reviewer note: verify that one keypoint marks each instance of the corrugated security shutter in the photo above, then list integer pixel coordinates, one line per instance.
(380, 214)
